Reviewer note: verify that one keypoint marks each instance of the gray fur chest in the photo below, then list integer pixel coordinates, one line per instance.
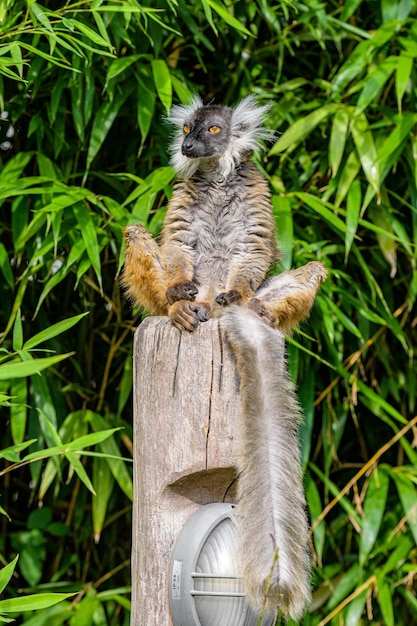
(218, 222)
(218, 230)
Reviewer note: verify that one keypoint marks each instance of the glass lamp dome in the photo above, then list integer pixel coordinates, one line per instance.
(205, 587)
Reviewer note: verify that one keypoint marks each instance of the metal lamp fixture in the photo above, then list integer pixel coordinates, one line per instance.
(205, 589)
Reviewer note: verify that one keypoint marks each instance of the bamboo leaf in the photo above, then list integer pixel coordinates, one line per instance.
(12, 169)
(97, 39)
(408, 495)
(6, 573)
(103, 121)
(33, 602)
(340, 127)
(285, 227)
(77, 445)
(379, 404)
(355, 609)
(19, 369)
(53, 331)
(91, 439)
(118, 66)
(315, 507)
(73, 427)
(89, 236)
(18, 409)
(228, 18)
(55, 280)
(385, 237)
(345, 320)
(40, 15)
(400, 553)
(303, 127)
(155, 182)
(59, 61)
(5, 267)
(375, 82)
(77, 97)
(181, 89)
(353, 207)
(385, 600)
(163, 83)
(16, 54)
(17, 332)
(117, 467)
(352, 68)
(321, 208)
(389, 150)
(366, 150)
(373, 512)
(404, 67)
(146, 106)
(103, 482)
(348, 582)
(11, 453)
(126, 384)
(209, 16)
(334, 490)
(77, 466)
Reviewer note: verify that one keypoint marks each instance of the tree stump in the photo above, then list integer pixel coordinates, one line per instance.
(186, 439)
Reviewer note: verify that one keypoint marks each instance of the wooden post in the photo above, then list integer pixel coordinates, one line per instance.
(186, 428)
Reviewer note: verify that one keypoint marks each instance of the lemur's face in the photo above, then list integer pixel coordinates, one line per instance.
(207, 133)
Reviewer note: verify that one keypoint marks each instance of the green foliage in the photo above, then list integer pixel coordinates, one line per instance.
(84, 88)
(28, 603)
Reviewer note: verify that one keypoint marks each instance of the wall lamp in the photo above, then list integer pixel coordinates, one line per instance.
(205, 587)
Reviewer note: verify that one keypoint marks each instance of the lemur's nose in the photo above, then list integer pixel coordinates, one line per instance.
(188, 146)
(188, 143)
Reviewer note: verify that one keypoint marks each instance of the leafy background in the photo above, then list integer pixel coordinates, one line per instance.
(84, 88)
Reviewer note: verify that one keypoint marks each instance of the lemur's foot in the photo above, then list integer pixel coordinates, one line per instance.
(186, 316)
(186, 290)
(143, 276)
(263, 311)
(285, 300)
(135, 231)
(313, 273)
(202, 310)
(182, 316)
(139, 242)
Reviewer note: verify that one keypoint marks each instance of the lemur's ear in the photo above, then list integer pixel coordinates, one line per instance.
(247, 128)
(180, 114)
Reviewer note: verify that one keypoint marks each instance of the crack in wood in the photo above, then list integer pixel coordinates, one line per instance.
(219, 334)
(174, 380)
(209, 406)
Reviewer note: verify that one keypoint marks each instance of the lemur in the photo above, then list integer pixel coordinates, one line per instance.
(217, 243)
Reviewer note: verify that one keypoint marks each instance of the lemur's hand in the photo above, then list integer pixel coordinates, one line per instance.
(229, 297)
(183, 291)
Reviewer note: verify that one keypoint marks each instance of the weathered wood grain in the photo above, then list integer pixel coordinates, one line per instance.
(186, 438)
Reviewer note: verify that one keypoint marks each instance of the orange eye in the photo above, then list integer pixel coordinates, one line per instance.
(186, 129)
(214, 129)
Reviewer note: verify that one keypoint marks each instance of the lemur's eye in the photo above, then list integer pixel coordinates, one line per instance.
(214, 129)
(186, 129)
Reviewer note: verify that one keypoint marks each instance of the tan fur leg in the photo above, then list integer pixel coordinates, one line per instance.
(143, 274)
(285, 300)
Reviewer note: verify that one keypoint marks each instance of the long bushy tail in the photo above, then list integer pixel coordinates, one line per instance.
(271, 503)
